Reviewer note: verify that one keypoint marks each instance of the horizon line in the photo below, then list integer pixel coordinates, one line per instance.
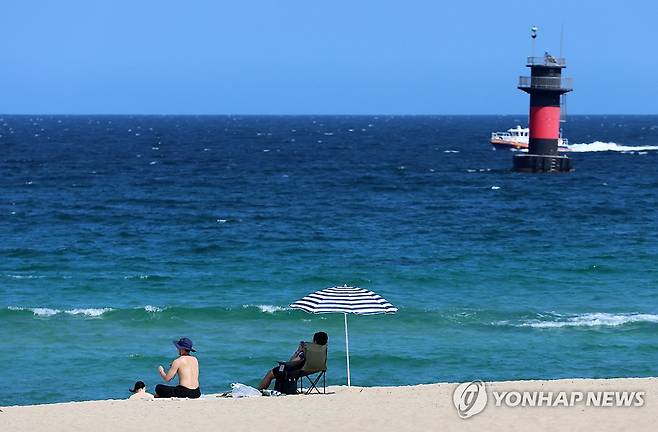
(306, 115)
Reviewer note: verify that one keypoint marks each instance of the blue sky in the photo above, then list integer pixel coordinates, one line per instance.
(312, 57)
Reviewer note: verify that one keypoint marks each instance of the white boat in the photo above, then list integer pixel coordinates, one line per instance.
(517, 139)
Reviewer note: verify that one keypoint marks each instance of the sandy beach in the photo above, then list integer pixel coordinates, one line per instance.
(422, 407)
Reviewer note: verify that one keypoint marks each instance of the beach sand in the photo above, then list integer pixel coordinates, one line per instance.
(413, 408)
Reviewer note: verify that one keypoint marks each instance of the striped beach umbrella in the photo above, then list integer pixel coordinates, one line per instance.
(345, 300)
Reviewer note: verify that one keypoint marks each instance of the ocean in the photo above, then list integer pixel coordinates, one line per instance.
(122, 233)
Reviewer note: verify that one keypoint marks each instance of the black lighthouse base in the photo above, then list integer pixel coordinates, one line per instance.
(541, 163)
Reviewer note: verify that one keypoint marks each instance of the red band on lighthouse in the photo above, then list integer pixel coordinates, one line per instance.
(545, 122)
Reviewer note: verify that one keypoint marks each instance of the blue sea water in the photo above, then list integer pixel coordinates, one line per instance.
(121, 233)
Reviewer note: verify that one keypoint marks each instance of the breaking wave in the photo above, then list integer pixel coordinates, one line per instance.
(43, 312)
(90, 312)
(148, 311)
(47, 312)
(598, 319)
(267, 308)
(475, 318)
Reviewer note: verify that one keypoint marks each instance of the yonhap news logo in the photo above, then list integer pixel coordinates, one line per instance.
(470, 398)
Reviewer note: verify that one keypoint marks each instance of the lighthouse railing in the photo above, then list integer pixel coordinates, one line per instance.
(546, 83)
(547, 61)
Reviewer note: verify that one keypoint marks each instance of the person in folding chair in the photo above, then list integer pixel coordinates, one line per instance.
(309, 359)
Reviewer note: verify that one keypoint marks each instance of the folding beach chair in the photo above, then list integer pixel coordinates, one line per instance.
(315, 367)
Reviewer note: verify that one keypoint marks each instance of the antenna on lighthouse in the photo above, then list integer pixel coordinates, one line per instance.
(533, 35)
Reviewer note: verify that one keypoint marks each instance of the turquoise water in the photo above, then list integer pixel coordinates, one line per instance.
(120, 234)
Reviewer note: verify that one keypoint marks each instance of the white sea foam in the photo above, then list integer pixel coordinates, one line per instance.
(90, 312)
(592, 320)
(450, 151)
(86, 312)
(17, 276)
(495, 187)
(599, 146)
(43, 312)
(268, 308)
(139, 276)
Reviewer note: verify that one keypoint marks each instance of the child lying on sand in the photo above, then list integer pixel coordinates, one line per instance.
(139, 391)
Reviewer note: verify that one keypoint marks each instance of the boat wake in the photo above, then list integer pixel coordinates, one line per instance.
(599, 146)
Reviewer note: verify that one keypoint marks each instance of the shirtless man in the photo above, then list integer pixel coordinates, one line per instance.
(187, 369)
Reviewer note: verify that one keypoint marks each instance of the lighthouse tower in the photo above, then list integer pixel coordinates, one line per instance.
(545, 86)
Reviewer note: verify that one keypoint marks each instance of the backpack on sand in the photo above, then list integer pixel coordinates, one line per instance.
(286, 384)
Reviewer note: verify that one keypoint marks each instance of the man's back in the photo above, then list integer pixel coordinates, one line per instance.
(188, 371)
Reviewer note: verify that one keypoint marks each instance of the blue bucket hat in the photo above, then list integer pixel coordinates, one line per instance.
(184, 343)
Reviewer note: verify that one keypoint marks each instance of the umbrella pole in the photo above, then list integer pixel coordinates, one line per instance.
(347, 351)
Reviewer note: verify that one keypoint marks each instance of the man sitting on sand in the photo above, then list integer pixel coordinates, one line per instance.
(295, 363)
(139, 391)
(187, 369)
